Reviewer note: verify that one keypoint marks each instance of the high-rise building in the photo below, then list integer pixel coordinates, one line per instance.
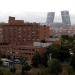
(16, 31)
(17, 38)
(50, 17)
(66, 17)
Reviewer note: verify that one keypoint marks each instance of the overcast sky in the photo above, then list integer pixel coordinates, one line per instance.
(35, 10)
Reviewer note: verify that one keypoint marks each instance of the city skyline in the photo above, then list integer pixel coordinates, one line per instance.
(50, 17)
(34, 17)
(35, 10)
(66, 17)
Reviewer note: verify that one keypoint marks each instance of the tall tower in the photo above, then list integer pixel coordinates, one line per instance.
(66, 17)
(50, 17)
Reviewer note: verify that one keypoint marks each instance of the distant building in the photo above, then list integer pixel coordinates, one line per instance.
(66, 17)
(58, 24)
(50, 17)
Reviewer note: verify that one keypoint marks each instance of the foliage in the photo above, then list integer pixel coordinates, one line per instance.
(66, 42)
(64, 54)
(73, 41)
(72, 63)
(36, 60)
(25, 68)
(22, 60)
(60, 52)
(0, 62)
(56, 53)
(69, 70)
(4, 72)
(55, 45)
(70, 45)
(64, 37)
(13, 69)
(73, 48)
(45, 59)
(51, 36)
(56, 36)
(54, 66)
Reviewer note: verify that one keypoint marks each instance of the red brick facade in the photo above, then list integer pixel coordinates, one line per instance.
(17, 34)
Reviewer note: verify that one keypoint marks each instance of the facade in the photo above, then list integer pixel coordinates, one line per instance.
(50, 17)
(66, 17)
(17, 38)
(18, 32)
(26, 51)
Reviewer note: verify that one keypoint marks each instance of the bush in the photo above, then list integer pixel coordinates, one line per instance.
(13, 69)
(25, 68)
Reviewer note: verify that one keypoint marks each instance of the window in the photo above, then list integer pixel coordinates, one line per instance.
(0, 32)
(0, 29)
(29, 53)
(33, 32)
(33, 50)
(24, 29)
(19, 36)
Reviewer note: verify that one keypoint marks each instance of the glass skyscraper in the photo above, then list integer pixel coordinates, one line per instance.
(66, 17)
(50, 17)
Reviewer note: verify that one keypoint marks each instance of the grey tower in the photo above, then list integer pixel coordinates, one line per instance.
(65, 17)
(50, 17)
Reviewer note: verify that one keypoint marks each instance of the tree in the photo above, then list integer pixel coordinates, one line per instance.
(64, 53)
(60, 52)
(54, 66)
(45, 59)
(64, 37)
(69, 70)
(22, 60)
(0, 62)
(55, 45)
(73, 41)
(72, 63)
(36, 59)
(56, 36)
(51, 36)
(66, 42)
(13, 69)
(25, 68)
(73, 48)
(56, 53)
(70, 45)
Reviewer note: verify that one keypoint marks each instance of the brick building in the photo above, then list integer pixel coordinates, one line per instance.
(17, 37)
(18, 32)
(26, 51)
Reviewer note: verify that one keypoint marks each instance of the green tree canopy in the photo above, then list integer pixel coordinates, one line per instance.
(73, 48)
(55, 66)
(45, 59)
(51, 36)
(22, 60)
(25, 68)
(60, 53)
(73, 41)
(56, 53)
(66, 42)
(36, 59)
(64, 37)
(72, 63)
